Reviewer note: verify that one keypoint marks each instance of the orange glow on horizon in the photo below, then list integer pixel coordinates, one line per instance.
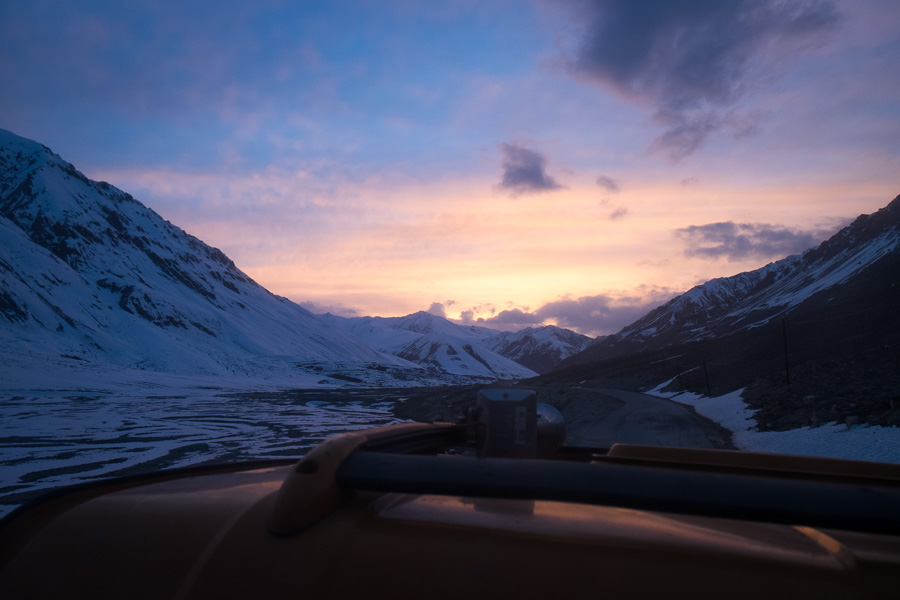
(395, 250)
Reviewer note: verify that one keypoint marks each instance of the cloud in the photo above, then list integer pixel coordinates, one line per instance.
(685, 134)
(437, 309)
(618, 213)
(609, 184)
(524, 171)
(739, 241)
(602, 314)
(318, 308)
(515, 317)
(693, 60)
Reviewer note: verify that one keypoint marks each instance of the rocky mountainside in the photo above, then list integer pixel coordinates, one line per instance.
(812, 338)
(90, 275)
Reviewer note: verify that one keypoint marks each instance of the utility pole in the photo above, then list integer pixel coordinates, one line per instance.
(787, 368)
(706, 374)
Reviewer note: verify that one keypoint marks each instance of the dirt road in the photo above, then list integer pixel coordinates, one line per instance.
(594, 418)
(600, 418)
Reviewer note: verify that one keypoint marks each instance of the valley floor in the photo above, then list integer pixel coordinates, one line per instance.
(50, 438)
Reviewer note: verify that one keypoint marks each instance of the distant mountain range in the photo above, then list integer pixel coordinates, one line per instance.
(89, 276)
(435, 342)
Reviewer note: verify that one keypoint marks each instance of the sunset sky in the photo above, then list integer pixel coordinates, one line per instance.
(508, 163)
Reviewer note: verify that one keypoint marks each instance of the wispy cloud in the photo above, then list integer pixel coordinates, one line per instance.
(739, 241)
(693, 60)
(609, 184)
(525, 171)
(338, 309)
(618, 213)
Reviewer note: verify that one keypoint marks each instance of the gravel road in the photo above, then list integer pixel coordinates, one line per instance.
(600, 418)
(594, 418)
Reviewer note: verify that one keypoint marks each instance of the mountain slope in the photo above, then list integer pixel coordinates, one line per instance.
(89, 273)
(438, 343)
(539, 348)
(728, 305)
(812, 338)
(435, 343)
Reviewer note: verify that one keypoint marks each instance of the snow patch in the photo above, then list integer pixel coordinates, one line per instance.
(832, 440)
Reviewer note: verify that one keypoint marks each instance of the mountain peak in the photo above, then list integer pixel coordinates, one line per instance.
(87, 271)
(423, 322)
(17, 143)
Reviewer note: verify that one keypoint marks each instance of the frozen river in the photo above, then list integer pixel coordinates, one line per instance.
(54, 439)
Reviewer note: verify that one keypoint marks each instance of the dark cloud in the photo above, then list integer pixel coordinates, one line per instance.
(515, 316)
(609, 184)
(524, 171)
(601, 314)
(618, 214)
(738, 241)
(692, 60)
(589, 315)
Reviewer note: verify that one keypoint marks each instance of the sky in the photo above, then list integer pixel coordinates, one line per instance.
(504, 163)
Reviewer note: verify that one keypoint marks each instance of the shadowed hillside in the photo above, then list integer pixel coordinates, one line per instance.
(813, 339)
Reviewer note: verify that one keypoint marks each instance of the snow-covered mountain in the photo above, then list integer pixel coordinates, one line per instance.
(729, 305)
(538, 348)
(436, 343)
(90, 275)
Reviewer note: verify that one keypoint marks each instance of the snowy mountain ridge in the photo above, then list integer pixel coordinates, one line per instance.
(727, 305)
(432, 342)
(539, 348)
(436, 342)
(91, 274)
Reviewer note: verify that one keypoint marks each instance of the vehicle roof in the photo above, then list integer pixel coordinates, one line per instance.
(217, 534)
